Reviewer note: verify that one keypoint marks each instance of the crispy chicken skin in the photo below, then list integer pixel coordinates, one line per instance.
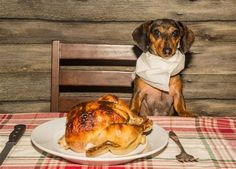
(102, 125)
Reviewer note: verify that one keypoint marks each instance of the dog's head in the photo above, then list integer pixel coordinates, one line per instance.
(162, 37)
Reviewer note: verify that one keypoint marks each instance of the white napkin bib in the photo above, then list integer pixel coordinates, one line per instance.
(156, 71)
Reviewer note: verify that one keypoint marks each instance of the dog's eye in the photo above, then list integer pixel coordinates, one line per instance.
(157, 33)
(175, 33)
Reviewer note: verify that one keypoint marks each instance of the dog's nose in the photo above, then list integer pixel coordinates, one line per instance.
(166, 50)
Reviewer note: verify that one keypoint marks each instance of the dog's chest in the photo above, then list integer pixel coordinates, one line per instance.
(156, 102)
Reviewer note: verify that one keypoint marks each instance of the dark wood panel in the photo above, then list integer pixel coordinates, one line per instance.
(25, 58)
(24, 106)
(208, 78)
(201, 107)
(28, 28)
(119, 10)
(25, 86)
(18, 31)
(36, 86)
(37, 58)
(214, 31)
(212, 107)
(195, 85)
(209, 58)
(220, 90)
(206, 107)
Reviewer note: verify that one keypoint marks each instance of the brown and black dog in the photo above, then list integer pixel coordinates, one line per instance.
(162, 37)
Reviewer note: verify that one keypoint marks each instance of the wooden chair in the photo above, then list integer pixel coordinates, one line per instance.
(82, 72)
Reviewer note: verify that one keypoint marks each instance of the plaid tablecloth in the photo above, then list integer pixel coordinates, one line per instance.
(211, 139)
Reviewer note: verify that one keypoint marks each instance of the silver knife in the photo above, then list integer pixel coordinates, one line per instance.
(13, 139)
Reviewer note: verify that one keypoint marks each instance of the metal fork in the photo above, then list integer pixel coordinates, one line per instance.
(183, 156)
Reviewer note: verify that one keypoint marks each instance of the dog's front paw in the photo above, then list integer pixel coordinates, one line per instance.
(188, 114)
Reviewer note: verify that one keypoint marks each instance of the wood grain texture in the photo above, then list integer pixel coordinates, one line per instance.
(25, 58)
(206, 76)
(36, 86)
(98, 51)
(27, 29)
(24, 106)
(213, 58)
(25, 86)
(208, 107)
(55, 62)
(35, 31)
(207, 58)
(212, 107)
(95, 78)
(201, 107)
(118, 10)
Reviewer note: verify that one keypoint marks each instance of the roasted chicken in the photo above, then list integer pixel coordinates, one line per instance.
(103, 125)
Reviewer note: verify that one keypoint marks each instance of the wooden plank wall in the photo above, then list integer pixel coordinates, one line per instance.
(27, 29)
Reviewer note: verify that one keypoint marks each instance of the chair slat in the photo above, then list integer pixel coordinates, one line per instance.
(98, 51)
(95, 78)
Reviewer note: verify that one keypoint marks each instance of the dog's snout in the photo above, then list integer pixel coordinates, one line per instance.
(166, 51)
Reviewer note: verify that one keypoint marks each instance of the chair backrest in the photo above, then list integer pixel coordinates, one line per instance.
(82, 72)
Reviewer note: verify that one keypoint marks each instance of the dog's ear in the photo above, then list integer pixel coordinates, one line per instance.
(140, 36)
(187, 37)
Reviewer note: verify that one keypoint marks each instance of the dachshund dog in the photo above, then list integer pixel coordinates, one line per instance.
(162, 39)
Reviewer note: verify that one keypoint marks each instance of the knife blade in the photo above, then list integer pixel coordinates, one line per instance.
(14, 137)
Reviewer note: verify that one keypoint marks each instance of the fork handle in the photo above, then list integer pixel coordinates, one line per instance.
(175, 138)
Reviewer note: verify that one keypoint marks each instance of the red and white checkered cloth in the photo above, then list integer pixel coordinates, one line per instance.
(211, 139)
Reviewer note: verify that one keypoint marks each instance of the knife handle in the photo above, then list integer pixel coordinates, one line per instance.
(17, 133)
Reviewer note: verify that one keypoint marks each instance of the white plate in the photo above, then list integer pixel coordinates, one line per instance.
(46, 136)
